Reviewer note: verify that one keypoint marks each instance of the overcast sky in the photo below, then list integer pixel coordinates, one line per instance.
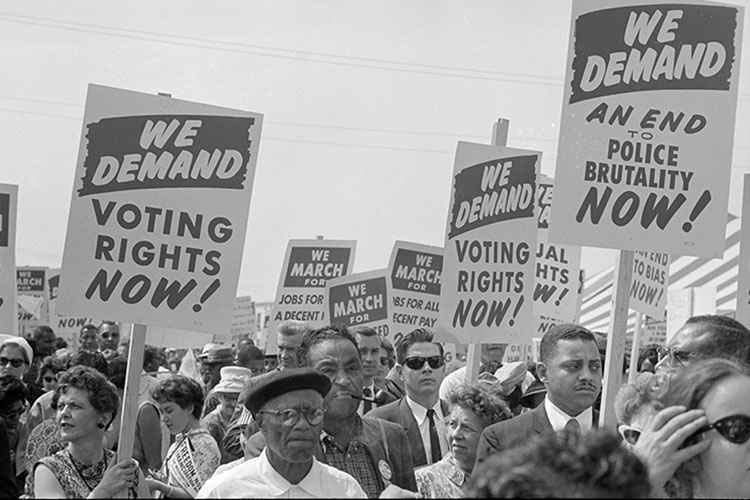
(363, 104)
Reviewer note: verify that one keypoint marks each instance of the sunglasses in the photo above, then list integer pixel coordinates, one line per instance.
(49, 378)
(417, 362)
(676, 357)
(13, 415)
(629, 434)
(734, 428)
(290, 417)
(15, 363)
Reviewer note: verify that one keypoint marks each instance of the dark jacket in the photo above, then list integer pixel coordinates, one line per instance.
(385, 442)
(515, 431)
(400, 413)
(8, 486)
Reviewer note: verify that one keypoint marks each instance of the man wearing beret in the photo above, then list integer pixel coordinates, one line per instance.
(374, 451)
(571, 369)
(288, 408)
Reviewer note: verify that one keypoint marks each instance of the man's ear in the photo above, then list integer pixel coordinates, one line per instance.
(541, 372)
(400, 371)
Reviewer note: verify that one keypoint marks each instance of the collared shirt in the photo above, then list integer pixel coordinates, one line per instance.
(256, 478)
(420, 415)
(354, 460)
(559, 418)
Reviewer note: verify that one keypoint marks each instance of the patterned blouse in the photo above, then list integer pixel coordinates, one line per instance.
(78, 480)
(444, 479)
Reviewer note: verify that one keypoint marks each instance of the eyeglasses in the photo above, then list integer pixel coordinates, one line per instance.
(15, 363)
(290, 417)
(734, 428)
(676, 356)
(629, 434)
(49, 378)
(13, 415)
(417, 362)
(107, 336)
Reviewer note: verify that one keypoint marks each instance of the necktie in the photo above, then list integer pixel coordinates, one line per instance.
(434, 440)
(368, 404)
(573, 426)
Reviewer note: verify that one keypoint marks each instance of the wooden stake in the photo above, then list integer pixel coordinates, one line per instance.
(635, 348)
(129, 412)
(616, 339)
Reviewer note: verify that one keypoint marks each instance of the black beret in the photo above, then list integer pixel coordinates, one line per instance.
(283, 381)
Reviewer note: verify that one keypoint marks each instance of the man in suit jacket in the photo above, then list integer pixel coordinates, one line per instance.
(571, 369)
(421, 366)
(368, 341)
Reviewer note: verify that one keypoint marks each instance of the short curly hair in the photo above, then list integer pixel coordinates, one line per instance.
(94, 360)
(101, 392)
(489, 408)
(315, 337)
(560, 465)
(181, 390)
(49, 364)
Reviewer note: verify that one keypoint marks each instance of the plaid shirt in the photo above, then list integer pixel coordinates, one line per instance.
(354, 460)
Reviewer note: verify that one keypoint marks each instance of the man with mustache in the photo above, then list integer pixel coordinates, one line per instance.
(421, 366)
(571, 369)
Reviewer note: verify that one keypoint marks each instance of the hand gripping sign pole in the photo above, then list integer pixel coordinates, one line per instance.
(473, 356)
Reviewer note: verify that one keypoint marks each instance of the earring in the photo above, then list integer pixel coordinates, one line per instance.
(100, 425)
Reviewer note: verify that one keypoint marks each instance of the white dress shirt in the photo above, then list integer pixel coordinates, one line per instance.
(559, 418)
(420, 415)
(256, 478)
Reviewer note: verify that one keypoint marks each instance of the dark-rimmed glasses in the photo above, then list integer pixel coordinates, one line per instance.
(734, 428)
(676, 357)
(15, 363)
(290, 417)
(417, 362)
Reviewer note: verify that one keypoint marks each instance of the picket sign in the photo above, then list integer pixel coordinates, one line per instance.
(474, 353)
(635, 347)
(618, 326)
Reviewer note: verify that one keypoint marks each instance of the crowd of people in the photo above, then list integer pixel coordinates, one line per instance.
(341, 412)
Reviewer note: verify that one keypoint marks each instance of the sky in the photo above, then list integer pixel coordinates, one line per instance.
(363, 105)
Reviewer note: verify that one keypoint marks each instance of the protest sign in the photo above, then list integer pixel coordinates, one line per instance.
(159, 211)
(8, 216)
(32, 297)
(648, 290)
(183, 470)
(66, 327)
(490, 243)
(414, 272)
(360, 299)
(647, 126)
(557, 265)
(743, 268)
(308, 265)
(243, 319)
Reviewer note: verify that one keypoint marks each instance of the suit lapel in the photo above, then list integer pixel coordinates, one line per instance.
(540, 421)
(412, 430)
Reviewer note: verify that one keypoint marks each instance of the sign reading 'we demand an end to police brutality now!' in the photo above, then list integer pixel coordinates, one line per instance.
(159, 211)
(490, 244)
(648, 126)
